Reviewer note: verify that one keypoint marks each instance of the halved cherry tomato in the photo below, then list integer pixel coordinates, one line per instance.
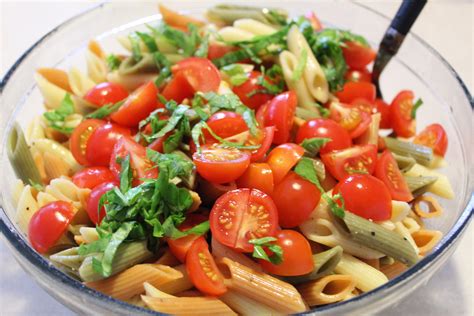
(357, 159)
(280, 113)
(217, 50)
(138, 106)
(220, 165)
(80, 137)
(178, 88)
(92, 177)
(351, 118)
(357, 56)
(102, 141)
(433, 136)
(262, 113)
(387, 171)
(314, 21)
(384, 110)
(48, 224)
(92, 207)
(225, 124)
(401, 118)
(243, 214)
(106, 93)
(257, 176)
(179, 247)
(324, 128)
(358, 75)
(353, 90)
(202, 269)
(297, 256)
(141, 166)
(366, 196)
(157, 144)
(282, 158)
(250, 86)
(200, 73)
(364, 105)
(295, 199)
(263, 137)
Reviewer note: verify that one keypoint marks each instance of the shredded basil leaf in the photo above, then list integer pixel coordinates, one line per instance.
(267, 242)
(313, 145)
(148, 40)
(113, 62)
(105, 110)
(136, 51)
(299, 69)
(125, 174)
(56, 118)
(236, 73)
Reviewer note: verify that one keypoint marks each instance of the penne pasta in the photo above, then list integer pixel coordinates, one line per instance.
(405, 233)
(57, 77)
(400, 211)
(441, 187)
(180, 284)
(328, 289)
(168, 259)
(233, 34)
(393, 270)
(188, 305)
(80, 83)
(130, 82)
(253, 26)
(26, 207)
(221, 251)
(176, 19)
(246, 306)
(411, 225)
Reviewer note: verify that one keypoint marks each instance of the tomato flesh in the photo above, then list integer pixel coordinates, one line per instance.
(358, 75)
(243, 214)
(357, 56)
(325, 128)
(400, 114)
(257, 176)
(387, 171)
(179, 247)
(433, 136)
(178, 89)
(282, 158)
(351, 118)
(225, 124)
(101, 142)
(80, 137)
(92, 208)
(353, 90)
(93, 176)
(200, 73)
(280, 113)
(384, 110)
(106, 93)
(245, 91)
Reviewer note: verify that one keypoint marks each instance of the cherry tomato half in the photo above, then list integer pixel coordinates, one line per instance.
(433, 136)
(384, 110)
(200, 73)
(92, 176)
(325, 128)
(353, 90)
(178, 88)
(264, 138)
(202, 269)
(257, 176)
(48, 224)
(106, 93)
(80, 137)
(217, 50)
(92, 207)
(245, 91)
(295, 199)
(102, 141)
(138, 106)
(364, 105)
(351, 118)
(282, 158)
(400, 114)
(280, 113)
(179, 247)
(243, 214)
(358, 75)
(366, 196)
(220, 165)
(357, 56)
(357, 159)
(387, 171)
(225, 124)
(297, 256)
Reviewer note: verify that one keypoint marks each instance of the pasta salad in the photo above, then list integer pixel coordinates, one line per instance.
(240, 164)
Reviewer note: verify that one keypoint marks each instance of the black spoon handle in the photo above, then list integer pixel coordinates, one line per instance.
(406, 15)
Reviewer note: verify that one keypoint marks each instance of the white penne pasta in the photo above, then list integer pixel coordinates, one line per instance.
(80, 83)
(188, 305)
(288, 62)
(253, 26)
(130, 282)
(89, 234)
(26, 207)
(366, 277)
(179, 285)
(18, 188)
(261, 287)
(35, 129)
(393, 270)
(411, 225)
(371, 135)
(441, 187)
(438, 162)
(426, 240)
(403, 231)
(327, 290)
(168, 259)
(52, 94)
(400, 211)
(321, 227)
(233, 34)
(96, 67)
(245, 305)
(132, 81)
(125, 42)
(387, 224)
(221, 251)
(313, 74)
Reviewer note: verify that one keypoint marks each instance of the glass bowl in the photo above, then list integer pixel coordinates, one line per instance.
(417, 67)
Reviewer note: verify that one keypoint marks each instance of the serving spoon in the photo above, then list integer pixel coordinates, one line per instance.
(394, 36)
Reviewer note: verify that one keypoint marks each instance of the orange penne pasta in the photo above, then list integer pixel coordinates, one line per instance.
(176, 19)
(188, 305)
(57, 77)
(183, 283)
(245, 305)
(130, 282)
(426, 239)
(261, 287)
(328, 289)
(373, 262)
(95, 48)
(434, 209)
(222, 251)
(392, 270)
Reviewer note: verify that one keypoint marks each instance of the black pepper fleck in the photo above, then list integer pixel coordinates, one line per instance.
(372, 233)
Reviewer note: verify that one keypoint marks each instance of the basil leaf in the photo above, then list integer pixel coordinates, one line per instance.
(56, 118)
(267, 242)
(113, 62)
(313, 145)
(173, 141)
(299, 69)
(136, 51)
(198, 230)
(125, 174)
(148, 40)
(105, 110)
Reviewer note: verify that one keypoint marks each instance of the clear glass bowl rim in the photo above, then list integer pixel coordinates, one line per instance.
(15, 240)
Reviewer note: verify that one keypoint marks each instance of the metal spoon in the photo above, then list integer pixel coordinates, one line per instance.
(394, 36)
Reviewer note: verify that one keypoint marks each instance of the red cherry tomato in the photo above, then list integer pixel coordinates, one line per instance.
(400, 114)
(106, 93)
(297, 256)
(80, 137)
(138, 106)
(94, 198)
(366, 196)
(351, 118)
(48, 224)
(157, 144)
(295, 199)
(178, 88)
(357, 56)
(202, 269)
(264, 138)
(357, 159)
(217, 50)
(102, 141)
(257, 176)
(364, 105)
(358, 75)
(225, 124)
(141, 166)
(353, 90)
(241, 215)
(324, 128)
(387, 171)
(384, 110)
(248, 87)
(179, 247)
(282, 158)
(262, 113)
(200, 73)
(92, 177)
(314, 21)
(220, 165)
(433, 136)
(280, 113)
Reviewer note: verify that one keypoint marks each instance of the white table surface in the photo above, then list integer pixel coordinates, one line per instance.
(446, 25)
